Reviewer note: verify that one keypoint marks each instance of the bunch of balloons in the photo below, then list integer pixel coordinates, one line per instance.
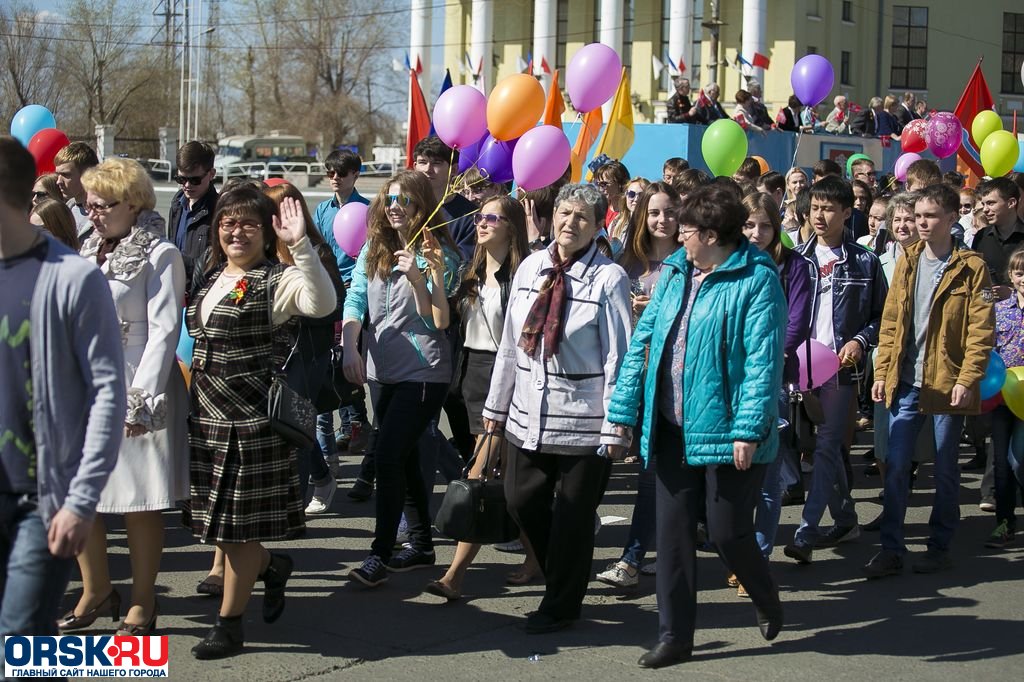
(1001, 152)
(35, 127)
(824, 364)
(1002, 385)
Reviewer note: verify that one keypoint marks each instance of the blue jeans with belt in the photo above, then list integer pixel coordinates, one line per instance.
(32, 581)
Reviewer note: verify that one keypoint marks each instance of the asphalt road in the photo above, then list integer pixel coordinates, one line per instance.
(959, 625)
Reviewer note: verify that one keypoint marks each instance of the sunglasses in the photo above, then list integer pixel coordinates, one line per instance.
(100, 208)
(335, 174)
(400, 199)
(194, 180)
(632, 194)
(489, 218)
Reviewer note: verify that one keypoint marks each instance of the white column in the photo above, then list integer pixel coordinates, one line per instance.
(611, 35)
(755, 29)
(680, 37)
(482, 42)
(544, 39)
(419, 40)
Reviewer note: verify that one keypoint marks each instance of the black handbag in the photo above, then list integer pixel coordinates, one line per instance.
(292, 416)
(473, 509)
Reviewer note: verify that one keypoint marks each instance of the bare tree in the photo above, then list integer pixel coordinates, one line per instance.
(30, 74)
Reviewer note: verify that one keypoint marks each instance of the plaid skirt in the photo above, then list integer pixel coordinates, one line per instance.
(244, 482)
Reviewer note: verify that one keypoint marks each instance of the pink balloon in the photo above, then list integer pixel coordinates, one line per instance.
(824, 364)
(593, 76)
(460, 116)
(540, 157)
(350, 227)
(944, 134)
(903, 163)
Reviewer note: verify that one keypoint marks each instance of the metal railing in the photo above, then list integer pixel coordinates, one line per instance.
(262, 170)
(159, 167)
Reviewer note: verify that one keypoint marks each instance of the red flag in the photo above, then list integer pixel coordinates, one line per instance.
(555, 105)
(419, 118)
(761, 61)
(681, 65)
(592, 121)
(975, 99)
(544, 66)
(703, 100)
(419, 65)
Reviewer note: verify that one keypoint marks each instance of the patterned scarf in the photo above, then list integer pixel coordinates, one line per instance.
(106, 247)
(546, 316)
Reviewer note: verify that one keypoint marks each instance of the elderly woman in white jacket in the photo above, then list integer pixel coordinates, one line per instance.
(566, 330)
(147, 281)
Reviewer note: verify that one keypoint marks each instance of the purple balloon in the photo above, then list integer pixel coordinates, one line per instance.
(812, 78)
(903, 163)
(469, 155)
(495, 160)
(540, 157)
(460, 116)
(944, 134)
(593, 76)
(350, 227)
(824, 364)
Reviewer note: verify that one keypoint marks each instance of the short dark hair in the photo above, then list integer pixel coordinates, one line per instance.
(742, 96)
(773, 181)
(78, 154)
(729, 185)
(343, 161)
(615, 171)
(944, 196)
(676, 164)
(826, 167)
(925, 171)
(543, 200)
(1006, 187)
(715, 208)
(195, 153)
(794, 102)
(832, 188)
(434, 149)
(953, 179)
(750, 169)
(17, 174)
(802, 205)
(690, 179)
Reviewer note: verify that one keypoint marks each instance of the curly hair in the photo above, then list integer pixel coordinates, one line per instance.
(118, 179)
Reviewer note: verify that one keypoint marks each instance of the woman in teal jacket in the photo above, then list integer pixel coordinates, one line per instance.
(714, 329)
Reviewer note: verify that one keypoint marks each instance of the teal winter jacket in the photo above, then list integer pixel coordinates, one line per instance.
(732, 374)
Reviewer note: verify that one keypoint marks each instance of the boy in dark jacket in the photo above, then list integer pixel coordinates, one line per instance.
(188, 225)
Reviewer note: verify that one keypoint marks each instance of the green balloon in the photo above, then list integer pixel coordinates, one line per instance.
(853, 159)
(724, 146)
(786, 240)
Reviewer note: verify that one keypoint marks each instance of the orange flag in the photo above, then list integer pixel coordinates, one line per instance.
(555, 105)
(419, 118)
(592, 122)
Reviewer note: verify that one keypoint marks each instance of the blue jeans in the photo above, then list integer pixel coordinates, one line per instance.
(769, 507)
(829, 487)
(643, 526)
(32, 581)
(905, 422)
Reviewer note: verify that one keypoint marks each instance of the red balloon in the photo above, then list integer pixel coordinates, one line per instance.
(274, 182)
(913, 138)
(44, 145)
(992, 403)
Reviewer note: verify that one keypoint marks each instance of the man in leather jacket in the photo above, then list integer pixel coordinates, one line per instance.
(188, 225)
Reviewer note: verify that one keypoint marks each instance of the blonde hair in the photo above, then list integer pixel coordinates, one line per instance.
(121, 180)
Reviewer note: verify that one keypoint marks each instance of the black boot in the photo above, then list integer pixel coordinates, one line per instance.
(224, 639)
(274, 580)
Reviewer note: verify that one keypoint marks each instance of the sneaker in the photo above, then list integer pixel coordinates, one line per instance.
(988, 505)
(742, 591)
(371, 573)
(323, 495)
(933, 561)
(619, 574)
(863, 423)
(882, 564)
(800, 551)
(1001, 536)
(411, 558)
(510, 547)
(361, 490)
(358, 437)
(650, 569)
(837, 535)
(342, 437)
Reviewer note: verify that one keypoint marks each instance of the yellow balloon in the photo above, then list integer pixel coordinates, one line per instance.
(515, 106)
(984, 124)
(999, 153)
(1013, 391)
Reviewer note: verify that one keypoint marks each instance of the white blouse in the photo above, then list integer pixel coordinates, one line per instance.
(484, 320)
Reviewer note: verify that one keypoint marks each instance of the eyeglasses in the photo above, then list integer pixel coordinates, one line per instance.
(230, 225)
(489, 218)
(688, 232)
(603, 184)
(632, 194)
(331, 174)
(100, 208)
(401, 199)
(194, 180)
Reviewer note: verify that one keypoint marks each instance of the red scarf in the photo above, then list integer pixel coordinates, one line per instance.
(546, 315)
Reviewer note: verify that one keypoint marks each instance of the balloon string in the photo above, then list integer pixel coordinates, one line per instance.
(452, 182)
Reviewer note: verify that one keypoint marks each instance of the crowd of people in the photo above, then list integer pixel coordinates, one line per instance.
(661, 320)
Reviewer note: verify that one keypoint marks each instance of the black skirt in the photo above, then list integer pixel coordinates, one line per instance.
(476, 382)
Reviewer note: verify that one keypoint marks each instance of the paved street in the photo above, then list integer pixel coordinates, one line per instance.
(963, 624)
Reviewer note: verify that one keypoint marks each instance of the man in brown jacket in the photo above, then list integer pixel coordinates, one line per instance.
(937, 331)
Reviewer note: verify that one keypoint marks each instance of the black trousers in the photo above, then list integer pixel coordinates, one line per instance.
(562, 533)
(731, 498)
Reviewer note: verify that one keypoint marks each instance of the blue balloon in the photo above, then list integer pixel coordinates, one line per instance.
(29, 121)
(1019, 166)
(995, 376)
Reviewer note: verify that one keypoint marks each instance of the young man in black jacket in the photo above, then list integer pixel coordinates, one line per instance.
(188, 225)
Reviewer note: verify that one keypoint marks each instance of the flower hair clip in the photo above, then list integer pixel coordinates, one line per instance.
(238, 293)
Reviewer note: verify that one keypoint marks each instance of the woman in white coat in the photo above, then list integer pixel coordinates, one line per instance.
(147, 281)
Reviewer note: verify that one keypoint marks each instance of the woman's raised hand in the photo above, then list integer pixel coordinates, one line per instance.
(432, 252)
(290, 223)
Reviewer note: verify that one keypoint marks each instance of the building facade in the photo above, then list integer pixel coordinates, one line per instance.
(876, 47)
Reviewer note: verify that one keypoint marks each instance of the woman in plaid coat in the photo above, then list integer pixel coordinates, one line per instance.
(245, 486)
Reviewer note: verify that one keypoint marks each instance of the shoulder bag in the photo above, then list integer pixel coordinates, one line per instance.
(473, 509)
(292, 416)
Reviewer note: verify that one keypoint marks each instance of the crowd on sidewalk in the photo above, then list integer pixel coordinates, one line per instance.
(180, 364)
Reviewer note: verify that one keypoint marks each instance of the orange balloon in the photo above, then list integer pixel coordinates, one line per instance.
(762, 163)
(515, 106)
(186, 373)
